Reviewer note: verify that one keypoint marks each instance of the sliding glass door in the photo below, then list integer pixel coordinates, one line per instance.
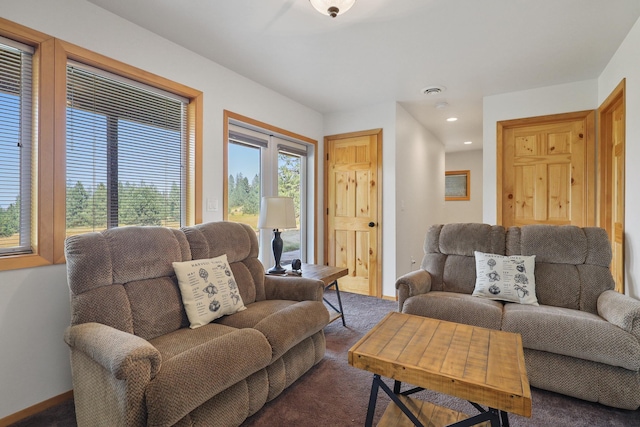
(263, 164)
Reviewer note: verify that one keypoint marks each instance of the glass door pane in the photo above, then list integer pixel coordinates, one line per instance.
(244, 184)
(290, 185)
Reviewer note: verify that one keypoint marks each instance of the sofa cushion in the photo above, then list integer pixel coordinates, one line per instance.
(284, 323)
(209, 289)
(572, 263)
(572, 333)
(240, 243)
(205, 367)
(449, 253)
(505, 278)
(455, 307)
(158, 307)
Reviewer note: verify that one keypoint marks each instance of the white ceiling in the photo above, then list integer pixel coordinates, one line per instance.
(388, 50)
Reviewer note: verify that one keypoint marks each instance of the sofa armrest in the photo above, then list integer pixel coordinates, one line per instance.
(293, 288)
(414, 283)
(117, 351)
(621, 310)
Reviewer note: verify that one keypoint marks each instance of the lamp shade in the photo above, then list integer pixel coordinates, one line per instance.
(332, 8)
(277, 213)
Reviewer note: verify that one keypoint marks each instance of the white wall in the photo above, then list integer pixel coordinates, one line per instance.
(420, 160)
(465, 210)
(626, 64)
(375, 117)
(574, 97)
(413, 174)
(34, 307)
(564, 98)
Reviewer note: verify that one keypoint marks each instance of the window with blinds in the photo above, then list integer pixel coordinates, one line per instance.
(126, 153)
(16, 124)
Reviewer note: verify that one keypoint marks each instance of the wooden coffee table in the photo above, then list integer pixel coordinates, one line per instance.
(483, 366)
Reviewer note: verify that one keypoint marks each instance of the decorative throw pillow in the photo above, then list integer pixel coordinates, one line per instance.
(506, 278)
(208, 289)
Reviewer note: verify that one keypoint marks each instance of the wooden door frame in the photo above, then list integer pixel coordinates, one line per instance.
(605, 172)
(371, 132)
(589, 117)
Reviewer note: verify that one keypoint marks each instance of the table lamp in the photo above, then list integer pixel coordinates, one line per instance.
(277, 213)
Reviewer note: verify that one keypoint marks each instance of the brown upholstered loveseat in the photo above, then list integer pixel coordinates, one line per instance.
(582, 340)
(136, 362)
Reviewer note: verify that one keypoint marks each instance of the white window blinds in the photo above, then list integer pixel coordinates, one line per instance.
(15, 147)
(126, 153)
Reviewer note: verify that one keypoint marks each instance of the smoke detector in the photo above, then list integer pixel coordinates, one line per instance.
(433, 90)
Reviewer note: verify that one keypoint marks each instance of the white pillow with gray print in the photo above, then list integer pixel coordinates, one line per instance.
(208, 289)
(506, 278)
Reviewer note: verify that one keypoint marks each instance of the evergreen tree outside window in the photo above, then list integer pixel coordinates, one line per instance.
(126, 153)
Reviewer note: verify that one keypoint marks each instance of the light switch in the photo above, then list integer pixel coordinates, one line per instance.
(212, 205)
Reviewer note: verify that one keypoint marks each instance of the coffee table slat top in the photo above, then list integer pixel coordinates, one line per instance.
(476, 364)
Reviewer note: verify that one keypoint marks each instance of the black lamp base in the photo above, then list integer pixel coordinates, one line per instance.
(275, 270)
(276, 245)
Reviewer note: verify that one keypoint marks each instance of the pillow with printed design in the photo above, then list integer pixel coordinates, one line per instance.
(506, 278)
(208, 289)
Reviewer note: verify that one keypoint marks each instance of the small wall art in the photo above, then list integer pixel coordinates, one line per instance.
(457, 185)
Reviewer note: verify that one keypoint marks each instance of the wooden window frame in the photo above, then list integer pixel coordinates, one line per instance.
(64, 52)
(49, 212)
(42, 171)
(467, 173)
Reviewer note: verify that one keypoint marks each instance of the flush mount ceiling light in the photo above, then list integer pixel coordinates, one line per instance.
(332, 8)
(452, 119)
(433, 90)
(468, 142)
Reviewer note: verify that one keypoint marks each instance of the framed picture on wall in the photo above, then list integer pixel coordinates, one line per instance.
(457, 185)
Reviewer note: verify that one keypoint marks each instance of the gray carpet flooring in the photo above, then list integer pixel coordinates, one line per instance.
(333, 393)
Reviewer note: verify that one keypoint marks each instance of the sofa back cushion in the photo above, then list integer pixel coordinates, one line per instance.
(449, 253)
(124, 278)
(572, 263)
(240, 243)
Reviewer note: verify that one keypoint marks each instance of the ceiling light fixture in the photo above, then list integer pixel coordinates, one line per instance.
(452, 119)
(468, 142)
(332, 8)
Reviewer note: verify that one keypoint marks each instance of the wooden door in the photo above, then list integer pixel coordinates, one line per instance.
(352, 209)
(546, 170)
(611, 115)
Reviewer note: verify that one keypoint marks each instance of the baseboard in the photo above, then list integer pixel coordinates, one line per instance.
(388, 298)
(38, 407)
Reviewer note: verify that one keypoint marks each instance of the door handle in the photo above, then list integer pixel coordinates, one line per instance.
(372, 224)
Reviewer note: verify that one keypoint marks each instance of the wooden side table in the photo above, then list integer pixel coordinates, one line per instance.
(329, 275)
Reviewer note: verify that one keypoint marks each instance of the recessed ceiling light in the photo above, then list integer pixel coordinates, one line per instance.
(468, 142)
(452, 119)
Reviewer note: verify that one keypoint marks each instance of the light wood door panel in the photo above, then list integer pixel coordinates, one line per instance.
(611, 177)
(546, 170)
(352, 210)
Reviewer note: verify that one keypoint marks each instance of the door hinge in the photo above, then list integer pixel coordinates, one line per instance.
(327, 156)
(327, 211)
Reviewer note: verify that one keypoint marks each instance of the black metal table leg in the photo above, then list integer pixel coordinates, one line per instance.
(504, 416)
(334, 284)
(373, 397)
(496, 417)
